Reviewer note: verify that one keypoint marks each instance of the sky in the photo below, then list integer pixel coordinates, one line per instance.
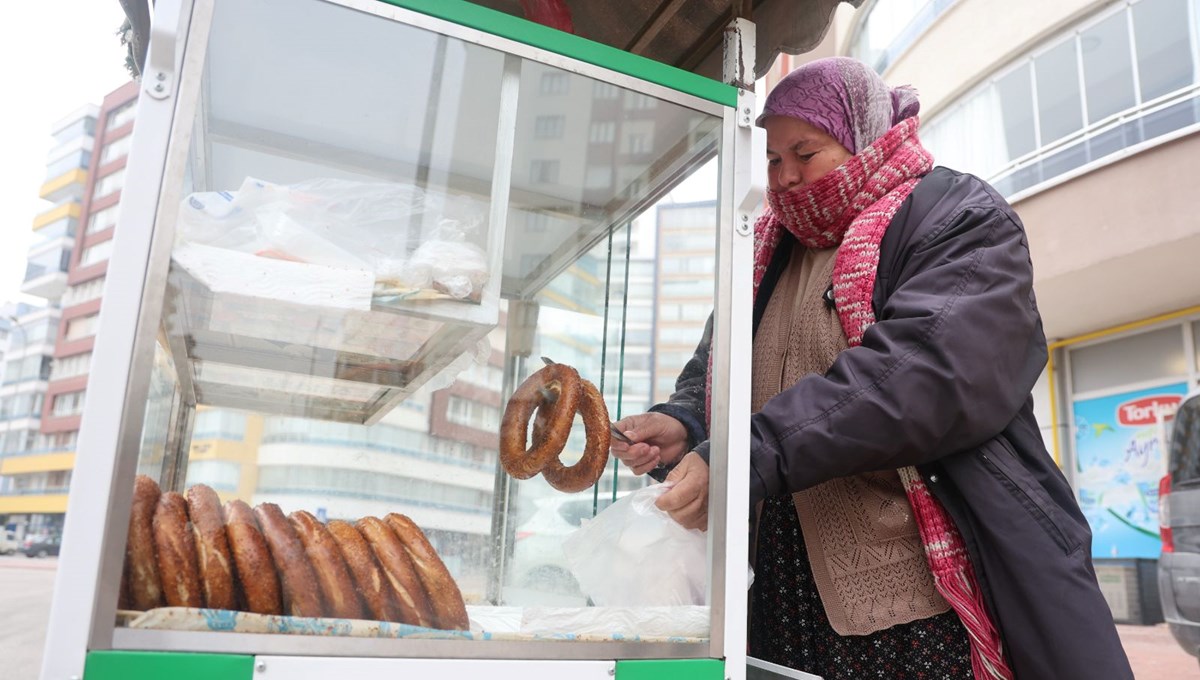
(54, 58)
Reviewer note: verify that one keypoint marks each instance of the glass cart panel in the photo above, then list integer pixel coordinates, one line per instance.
(383, 230)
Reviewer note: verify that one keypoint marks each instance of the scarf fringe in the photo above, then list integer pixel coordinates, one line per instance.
(954, 577)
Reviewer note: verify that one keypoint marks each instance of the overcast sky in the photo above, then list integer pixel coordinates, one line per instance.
(54, 58)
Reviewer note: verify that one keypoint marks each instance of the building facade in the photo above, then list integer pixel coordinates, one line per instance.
(35, 465)
(1085, 115)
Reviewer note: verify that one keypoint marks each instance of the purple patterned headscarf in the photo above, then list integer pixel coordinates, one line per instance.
(843, 97)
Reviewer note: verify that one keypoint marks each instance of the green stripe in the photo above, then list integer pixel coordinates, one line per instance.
(553, 40)
(110, 665)
(671, 669)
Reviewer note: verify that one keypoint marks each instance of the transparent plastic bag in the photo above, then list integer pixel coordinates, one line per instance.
(410, 238)
(633, 554)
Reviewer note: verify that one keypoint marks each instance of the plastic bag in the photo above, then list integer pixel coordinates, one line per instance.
(633, 554)
(410, 238)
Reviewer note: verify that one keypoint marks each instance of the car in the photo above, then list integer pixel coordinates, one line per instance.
(8, 543)
(41, 546)
(540, 574)
(1179, 527)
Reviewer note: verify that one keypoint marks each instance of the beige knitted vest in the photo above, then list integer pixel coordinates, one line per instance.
(866, 555)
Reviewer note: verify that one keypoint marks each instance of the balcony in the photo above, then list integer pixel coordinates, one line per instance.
(30, 462)
(72, 209)
(66, 186)
(34, 501)
(46, 271)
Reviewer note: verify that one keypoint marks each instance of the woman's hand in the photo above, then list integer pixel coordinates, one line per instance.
(657, 438)
(687, 501)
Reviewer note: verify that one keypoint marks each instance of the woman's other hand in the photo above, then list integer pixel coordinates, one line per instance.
(687, 501)
(657, 438)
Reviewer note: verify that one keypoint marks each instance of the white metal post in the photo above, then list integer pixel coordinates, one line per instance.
(85, 597)
(741, 175)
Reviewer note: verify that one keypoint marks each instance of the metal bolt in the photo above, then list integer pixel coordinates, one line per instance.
(261, 666)
(746, 110)
(162, 76)
(745, 217)
(612, 671)
(158, 88)
(933, 478)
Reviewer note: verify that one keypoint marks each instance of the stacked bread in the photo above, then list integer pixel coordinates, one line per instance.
(192, 552)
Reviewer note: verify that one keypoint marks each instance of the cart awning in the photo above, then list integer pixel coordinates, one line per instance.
(687, 34)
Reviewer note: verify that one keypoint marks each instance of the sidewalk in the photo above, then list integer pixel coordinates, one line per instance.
(1155, 655)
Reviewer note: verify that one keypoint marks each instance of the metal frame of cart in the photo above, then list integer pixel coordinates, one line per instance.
(82, 634)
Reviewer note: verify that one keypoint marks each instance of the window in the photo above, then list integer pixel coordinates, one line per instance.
(64, 228)
(602, 132)
(683, 241)
(81, 327)
(68, 404)
(102, 219)
(636, 143)
(370, 484)
(889, 28)
(221, 475)
(49, 262)
(97, 253)
(1163, 47)
(1146, 356)
(1107, 67)
(59, 441)
(69, 367)
(472, 414)
(548, 127)
(121, 115)
(1059, 106)
(555, 83)
(76, 160)
(635, 101)
(83, 292)
(116, 149)
(1080, 82)
(26, 405)
(34, 367)
(696, 288)
(543, 172)
(33, 333)
(1015, 92)
(604, 90)
(219, 424)
(109, 183)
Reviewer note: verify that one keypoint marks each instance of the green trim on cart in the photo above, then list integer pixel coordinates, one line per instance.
(671, 669)
(113, 665)
(523, 31)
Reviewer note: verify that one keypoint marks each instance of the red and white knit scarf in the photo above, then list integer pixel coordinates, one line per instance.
(852, 206)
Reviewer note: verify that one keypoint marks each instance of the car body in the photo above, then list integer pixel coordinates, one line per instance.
(8, 543)
(1179, 519)
(41, 546)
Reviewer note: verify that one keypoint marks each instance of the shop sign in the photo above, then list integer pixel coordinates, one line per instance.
(1119, 460)
(1148, 410)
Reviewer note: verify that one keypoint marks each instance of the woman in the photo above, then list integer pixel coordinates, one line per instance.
(908, 519)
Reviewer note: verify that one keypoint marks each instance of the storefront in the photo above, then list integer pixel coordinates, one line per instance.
(1116, 392)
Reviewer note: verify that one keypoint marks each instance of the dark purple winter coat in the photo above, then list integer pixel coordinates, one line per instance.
(942, 381)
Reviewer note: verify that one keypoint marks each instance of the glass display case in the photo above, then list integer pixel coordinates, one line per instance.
(350, 231)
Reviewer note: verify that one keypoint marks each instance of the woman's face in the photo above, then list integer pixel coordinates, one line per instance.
(798, 153)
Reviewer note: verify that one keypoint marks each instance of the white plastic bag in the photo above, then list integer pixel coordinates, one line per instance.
(410, 238)
(633, 554)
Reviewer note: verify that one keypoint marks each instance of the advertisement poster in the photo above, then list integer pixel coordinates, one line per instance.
(1119, 460)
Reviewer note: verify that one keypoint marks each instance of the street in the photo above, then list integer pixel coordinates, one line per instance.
(26, 586)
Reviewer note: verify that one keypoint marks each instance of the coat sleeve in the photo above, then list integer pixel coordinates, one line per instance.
(954, 353)
(687, 403)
